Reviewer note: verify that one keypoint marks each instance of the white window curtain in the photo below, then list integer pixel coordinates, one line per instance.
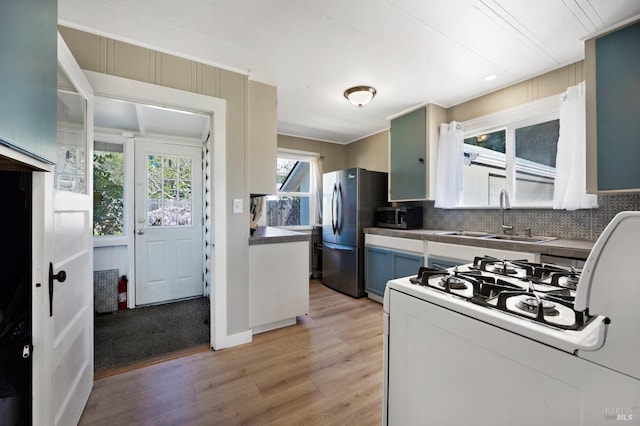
(318, 168)
(450, 161)
(570, 183)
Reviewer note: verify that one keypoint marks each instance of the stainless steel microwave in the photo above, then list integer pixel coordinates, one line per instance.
(409, 217)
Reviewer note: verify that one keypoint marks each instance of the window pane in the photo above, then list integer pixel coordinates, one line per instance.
(287, 211)
(536, 148)
(283, 168)
(169, 183)
(108, 189)
(70, 170)
(293, 176)
(538, 143)
(494, 141)
(485, 170)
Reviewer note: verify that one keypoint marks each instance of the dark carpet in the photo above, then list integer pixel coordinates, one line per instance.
(135, 335)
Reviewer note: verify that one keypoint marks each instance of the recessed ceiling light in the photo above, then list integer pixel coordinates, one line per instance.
(490, 77)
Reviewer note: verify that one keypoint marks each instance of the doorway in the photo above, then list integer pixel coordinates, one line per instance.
(148, 164)
(215, 183)
(15, 299)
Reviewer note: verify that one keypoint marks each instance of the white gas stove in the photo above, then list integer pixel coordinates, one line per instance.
(506, 341)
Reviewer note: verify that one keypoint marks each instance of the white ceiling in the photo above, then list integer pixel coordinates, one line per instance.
(148, 120)
(412, 51)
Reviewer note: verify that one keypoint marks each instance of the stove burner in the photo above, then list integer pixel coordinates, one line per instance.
(455, 283)
(530, 304)
(569, 282)
(501, 269)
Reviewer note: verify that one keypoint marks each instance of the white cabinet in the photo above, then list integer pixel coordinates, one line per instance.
(278, 284)
(447, 255)
(262, 138)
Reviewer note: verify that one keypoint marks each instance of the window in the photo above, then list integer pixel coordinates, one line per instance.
(513, 150)
(169, 182)
(70, 170)
(108, 189)
(295, 202)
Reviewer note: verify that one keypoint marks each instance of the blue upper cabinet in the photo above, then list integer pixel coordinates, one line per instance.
(413, 143)
(28, 45)
(612, 74)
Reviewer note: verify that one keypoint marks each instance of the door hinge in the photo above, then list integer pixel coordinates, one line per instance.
(26, 351)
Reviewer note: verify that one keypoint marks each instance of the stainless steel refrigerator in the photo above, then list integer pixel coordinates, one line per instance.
(349, 202)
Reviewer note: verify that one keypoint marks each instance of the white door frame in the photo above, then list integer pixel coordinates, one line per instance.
(140, 92)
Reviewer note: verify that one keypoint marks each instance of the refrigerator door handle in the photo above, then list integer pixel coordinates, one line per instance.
(334, 208)
(339, 218)
(338, 247)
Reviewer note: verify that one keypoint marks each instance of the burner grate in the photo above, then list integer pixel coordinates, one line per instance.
(491, 289)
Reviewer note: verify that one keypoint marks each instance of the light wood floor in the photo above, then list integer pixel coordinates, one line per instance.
(325, 370)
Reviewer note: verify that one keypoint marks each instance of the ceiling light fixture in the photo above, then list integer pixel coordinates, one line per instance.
(360, 95)
(490, 77)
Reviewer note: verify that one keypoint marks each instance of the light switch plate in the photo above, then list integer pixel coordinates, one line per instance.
(237, 205)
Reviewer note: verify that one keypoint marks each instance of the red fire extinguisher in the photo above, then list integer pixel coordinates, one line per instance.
(122, 292)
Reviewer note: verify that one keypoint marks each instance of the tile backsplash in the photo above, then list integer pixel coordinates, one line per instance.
(578, 224)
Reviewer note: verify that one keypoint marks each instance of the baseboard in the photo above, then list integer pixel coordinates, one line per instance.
(238, 339)
(375, 297)
(273, 325)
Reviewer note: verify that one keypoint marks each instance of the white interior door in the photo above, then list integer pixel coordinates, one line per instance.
(63, 258)
(168, 216)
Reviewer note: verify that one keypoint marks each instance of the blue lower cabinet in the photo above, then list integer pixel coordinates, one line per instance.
(405, 264)
(382, 265)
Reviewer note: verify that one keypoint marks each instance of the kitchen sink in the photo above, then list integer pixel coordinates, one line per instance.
(466, 234)
(500, 237)
(519, 238)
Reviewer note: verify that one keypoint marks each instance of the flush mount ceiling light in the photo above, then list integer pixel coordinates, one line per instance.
(360, 95)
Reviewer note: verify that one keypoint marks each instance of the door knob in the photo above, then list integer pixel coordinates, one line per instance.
(140, 231)
(61, 277)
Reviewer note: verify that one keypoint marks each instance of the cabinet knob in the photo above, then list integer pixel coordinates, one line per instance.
(421, 160)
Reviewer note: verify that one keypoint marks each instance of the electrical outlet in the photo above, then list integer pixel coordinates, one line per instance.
(237, 205)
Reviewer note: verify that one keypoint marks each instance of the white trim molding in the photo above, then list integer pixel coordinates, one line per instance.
(140, 92)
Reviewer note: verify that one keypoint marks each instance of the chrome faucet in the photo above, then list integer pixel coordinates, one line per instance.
(505, 205)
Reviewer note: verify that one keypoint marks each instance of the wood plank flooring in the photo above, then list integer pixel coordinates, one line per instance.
(325, 370)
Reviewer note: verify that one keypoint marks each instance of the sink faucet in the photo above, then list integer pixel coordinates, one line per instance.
(505, 205)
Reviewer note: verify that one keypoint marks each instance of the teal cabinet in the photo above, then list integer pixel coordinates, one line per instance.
(28, 105)
(413, 148)
(382, 265)
(408, 157)
(612, 66)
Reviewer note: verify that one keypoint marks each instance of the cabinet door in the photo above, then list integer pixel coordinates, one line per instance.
(407, 157)
(618, 101)
(376, 273)
(262, 138)
(28, 73)
(405, 264)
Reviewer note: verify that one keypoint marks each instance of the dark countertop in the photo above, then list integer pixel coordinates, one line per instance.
(578, 249)
(270, 235)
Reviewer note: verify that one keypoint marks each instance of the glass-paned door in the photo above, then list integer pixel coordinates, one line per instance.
(168, 215)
